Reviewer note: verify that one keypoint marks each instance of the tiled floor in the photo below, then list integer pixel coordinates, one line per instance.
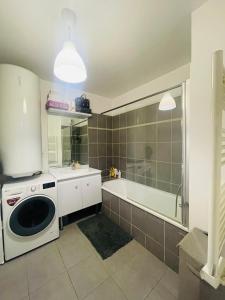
(70, 268)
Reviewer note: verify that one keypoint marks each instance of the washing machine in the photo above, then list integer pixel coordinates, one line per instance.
(1, 238)
(29, 214)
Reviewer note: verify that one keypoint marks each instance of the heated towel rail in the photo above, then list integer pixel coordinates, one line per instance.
(213, 271)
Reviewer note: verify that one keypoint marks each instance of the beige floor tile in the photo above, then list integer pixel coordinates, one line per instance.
(10, 266)
(43, 268)
(149, 264)
(170, 282)
(123, 256)
(161, 293)
(42, 251)
(135, 248)
(69, 234)
(107, 290)
(72, 253)
(87, 275)
(136, 273)
(56, 289)
(116, 262)
(13, 280)
(136, 284)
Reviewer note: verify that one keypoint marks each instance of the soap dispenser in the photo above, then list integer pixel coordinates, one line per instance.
(77, 165)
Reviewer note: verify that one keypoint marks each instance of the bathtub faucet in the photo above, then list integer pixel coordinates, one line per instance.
(177, 195)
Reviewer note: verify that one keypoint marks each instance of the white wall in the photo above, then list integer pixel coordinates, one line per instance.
(166, 81)
(98, 105)
(208, 35)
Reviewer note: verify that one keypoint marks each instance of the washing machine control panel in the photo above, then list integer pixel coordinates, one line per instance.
(33, 188)
(48, 185)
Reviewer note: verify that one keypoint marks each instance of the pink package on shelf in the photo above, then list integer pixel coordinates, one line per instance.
(57, 105)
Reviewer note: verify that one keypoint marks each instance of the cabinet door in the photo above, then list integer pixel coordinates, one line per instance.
(91, 190)
(69, 196)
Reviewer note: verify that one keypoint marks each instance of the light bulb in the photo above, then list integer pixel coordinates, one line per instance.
(69, 66)
(167, 102)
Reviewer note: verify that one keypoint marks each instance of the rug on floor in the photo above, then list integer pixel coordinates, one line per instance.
(106, 236)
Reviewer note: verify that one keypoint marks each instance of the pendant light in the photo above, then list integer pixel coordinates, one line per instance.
(69, 66)
(167, 102)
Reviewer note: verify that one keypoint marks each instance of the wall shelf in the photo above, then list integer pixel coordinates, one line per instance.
(65, 113)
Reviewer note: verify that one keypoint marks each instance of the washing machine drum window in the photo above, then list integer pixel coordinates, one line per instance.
(32, 216)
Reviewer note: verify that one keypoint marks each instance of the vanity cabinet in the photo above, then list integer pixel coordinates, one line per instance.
(91, 190)
(79, 193)
(69, 196)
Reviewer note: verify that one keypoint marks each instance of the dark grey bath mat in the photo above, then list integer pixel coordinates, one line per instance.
(105, 236)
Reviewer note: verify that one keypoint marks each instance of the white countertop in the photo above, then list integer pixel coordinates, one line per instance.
(66, 173)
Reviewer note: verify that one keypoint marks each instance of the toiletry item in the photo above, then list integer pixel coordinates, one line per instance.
(116, 173)
(77, 165)
(82, 104)
(112, 172)
(73, 165)
(57, 104)
(119, 174)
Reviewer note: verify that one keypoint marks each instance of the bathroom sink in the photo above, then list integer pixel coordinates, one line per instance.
(67, 172)
(70, 170)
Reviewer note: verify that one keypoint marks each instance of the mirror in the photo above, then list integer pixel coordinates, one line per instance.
(67, 141)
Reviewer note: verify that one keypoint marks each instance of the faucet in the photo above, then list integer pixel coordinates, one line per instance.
(177, 195)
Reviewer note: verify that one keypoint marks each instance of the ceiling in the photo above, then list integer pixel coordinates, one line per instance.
(123, 43)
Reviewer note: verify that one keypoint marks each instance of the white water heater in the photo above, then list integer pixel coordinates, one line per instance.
(20, 121)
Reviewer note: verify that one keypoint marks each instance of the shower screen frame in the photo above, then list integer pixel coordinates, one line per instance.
(185, 155)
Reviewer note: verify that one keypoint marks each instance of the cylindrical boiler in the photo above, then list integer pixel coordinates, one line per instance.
(20, 121)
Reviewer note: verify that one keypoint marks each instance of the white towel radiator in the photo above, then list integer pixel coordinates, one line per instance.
(213, 271)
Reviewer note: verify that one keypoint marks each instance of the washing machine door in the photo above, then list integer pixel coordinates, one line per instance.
(32, 215)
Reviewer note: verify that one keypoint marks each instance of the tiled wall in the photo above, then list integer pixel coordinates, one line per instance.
(100, 143)
(66, 144)
(158, 236)
(79, 144)
(147, 146)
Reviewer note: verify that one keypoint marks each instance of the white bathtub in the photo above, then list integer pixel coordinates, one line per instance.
(159, 203)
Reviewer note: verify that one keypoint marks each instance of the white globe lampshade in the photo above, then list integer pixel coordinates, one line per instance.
(167, 102)
(69, 66)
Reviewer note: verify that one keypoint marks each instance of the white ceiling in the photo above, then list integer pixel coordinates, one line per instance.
(124, 43)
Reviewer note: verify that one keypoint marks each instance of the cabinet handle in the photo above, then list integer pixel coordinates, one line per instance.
(88, 184)
(76, 187)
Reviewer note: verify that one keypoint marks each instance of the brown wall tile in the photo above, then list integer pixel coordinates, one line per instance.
(102, 136)
(171, 260)
(154, 228)
(102, 121)
(125, 210)
(164, 152)
(106, 199)
(176, 131)
(164, 132)
(125, 225)
(93, 150)
(155, 248)
(173, 235)
(146, 228)
(138, 235)
(115, 204)
(139, 217)
(114, 217)
(93, 121)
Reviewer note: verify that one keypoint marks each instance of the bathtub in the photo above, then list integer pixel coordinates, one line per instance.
(156, 202)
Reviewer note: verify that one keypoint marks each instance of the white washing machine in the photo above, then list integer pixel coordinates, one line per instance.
(1, 238)
(30, 214)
